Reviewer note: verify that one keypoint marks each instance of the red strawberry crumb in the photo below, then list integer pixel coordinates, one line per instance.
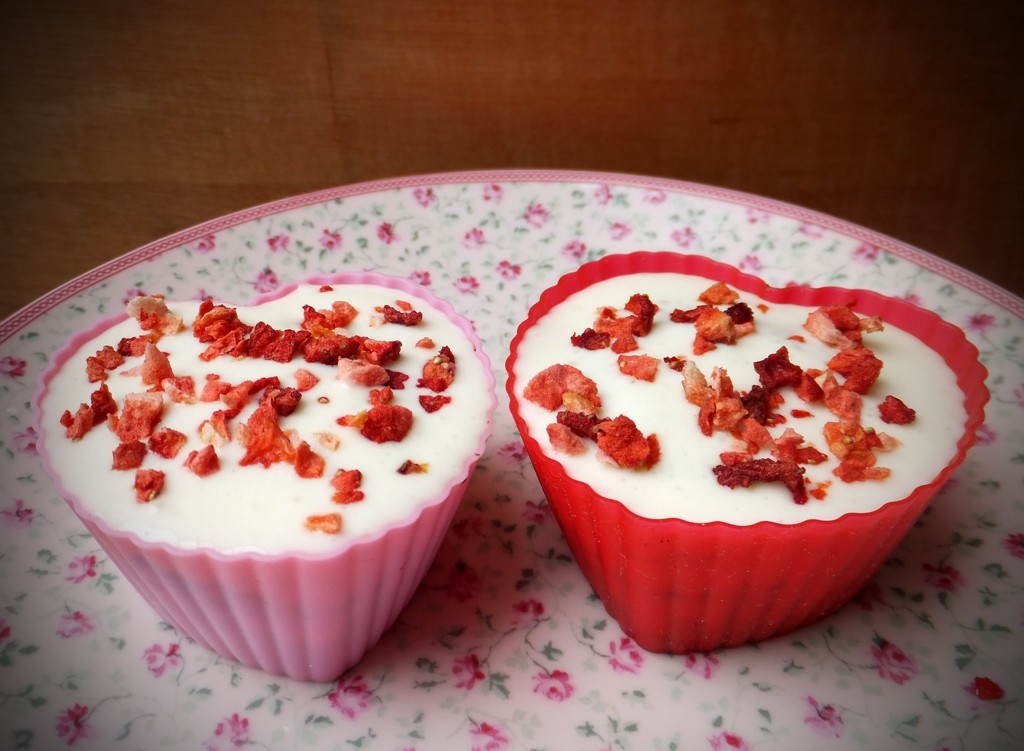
(433, 402)
(387, 422)
(893, 411)
(148, 484)
(328, 524)
(203, 462)
(128, 455)
(346, 484)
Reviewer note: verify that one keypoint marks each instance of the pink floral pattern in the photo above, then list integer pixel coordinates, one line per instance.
(505, 646)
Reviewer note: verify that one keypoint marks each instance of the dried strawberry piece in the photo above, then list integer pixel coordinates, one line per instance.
(591, 340)
(98, 365)
(719, 293)
(790, 445)
(153, 314)
(387, 422)
(148, 484)
(133, 346)
(695, 384)
(381, 396)
(892, 410)
(839, 326)
(78, 424)
(675, 362)
(641, 367)
(232, 344)
(852, 445)
(808, 389)
(340, 315)
(690, 315)
(401, 317)
(745, 473)
(264, 441)
(237, 397)
(425, 343)
(776, 371)
(549, 387)
(621, 440)
(139, 416)
(740, 314)
(564, 440)
(167, 442)
(346, 484)
(307, 463)
(624, 343)
(409, 467)
(754, 435)
(328, 524)
(102, 403)
(379, 352)
(180, 389)
(214, 322)
(860, 366)
(156, 366)
(215, 430)
(278, 345)
(284, 400)
(396, 379)
(438, 371)
(328, 348)
(433, 402)
(129, 455)
(214, 389)
(643, 311)
(362, 373)
(580, 423)
(203, 462)
(715, 326)
(757, 402)
(305, 380)
(841, 402)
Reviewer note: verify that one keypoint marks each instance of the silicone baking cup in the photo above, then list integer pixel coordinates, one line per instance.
(308, 617)
(679, 587)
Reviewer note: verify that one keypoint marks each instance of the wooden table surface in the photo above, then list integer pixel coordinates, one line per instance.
(124, 122)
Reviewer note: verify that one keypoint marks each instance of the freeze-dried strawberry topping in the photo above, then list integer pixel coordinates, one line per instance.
(438, 371)
(362, 373)
(641, 367)
(550, 387)
(308, 464)
(579, 423)
(379, 352)
(433, 402)
(409, 467)
(591, 339)
(148, 484)
(387, 422)
(329, 348)
(139, 416)
(102, 403)
(156, 366)
(105, 359)
(396, 379)
(133, 346)
(859, 365)
(167, 442)
(129, 455)
(328, 524)
(401, 317)
(272, 344)
(264, 441)
(340, 315)
(203, 461)
(895, 412)
(746, 472)
(346, 484)
(305, 380)
(180, 389)
(621, 440)
(839, 326)
(564, 440)
(750, 416)
(153, 314)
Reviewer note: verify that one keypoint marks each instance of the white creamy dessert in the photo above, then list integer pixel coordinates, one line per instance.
(249, 507)
(682, 482)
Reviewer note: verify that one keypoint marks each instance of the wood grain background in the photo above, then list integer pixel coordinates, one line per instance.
(125, 121)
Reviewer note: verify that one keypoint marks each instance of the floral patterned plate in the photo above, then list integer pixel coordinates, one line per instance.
(505, 646)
